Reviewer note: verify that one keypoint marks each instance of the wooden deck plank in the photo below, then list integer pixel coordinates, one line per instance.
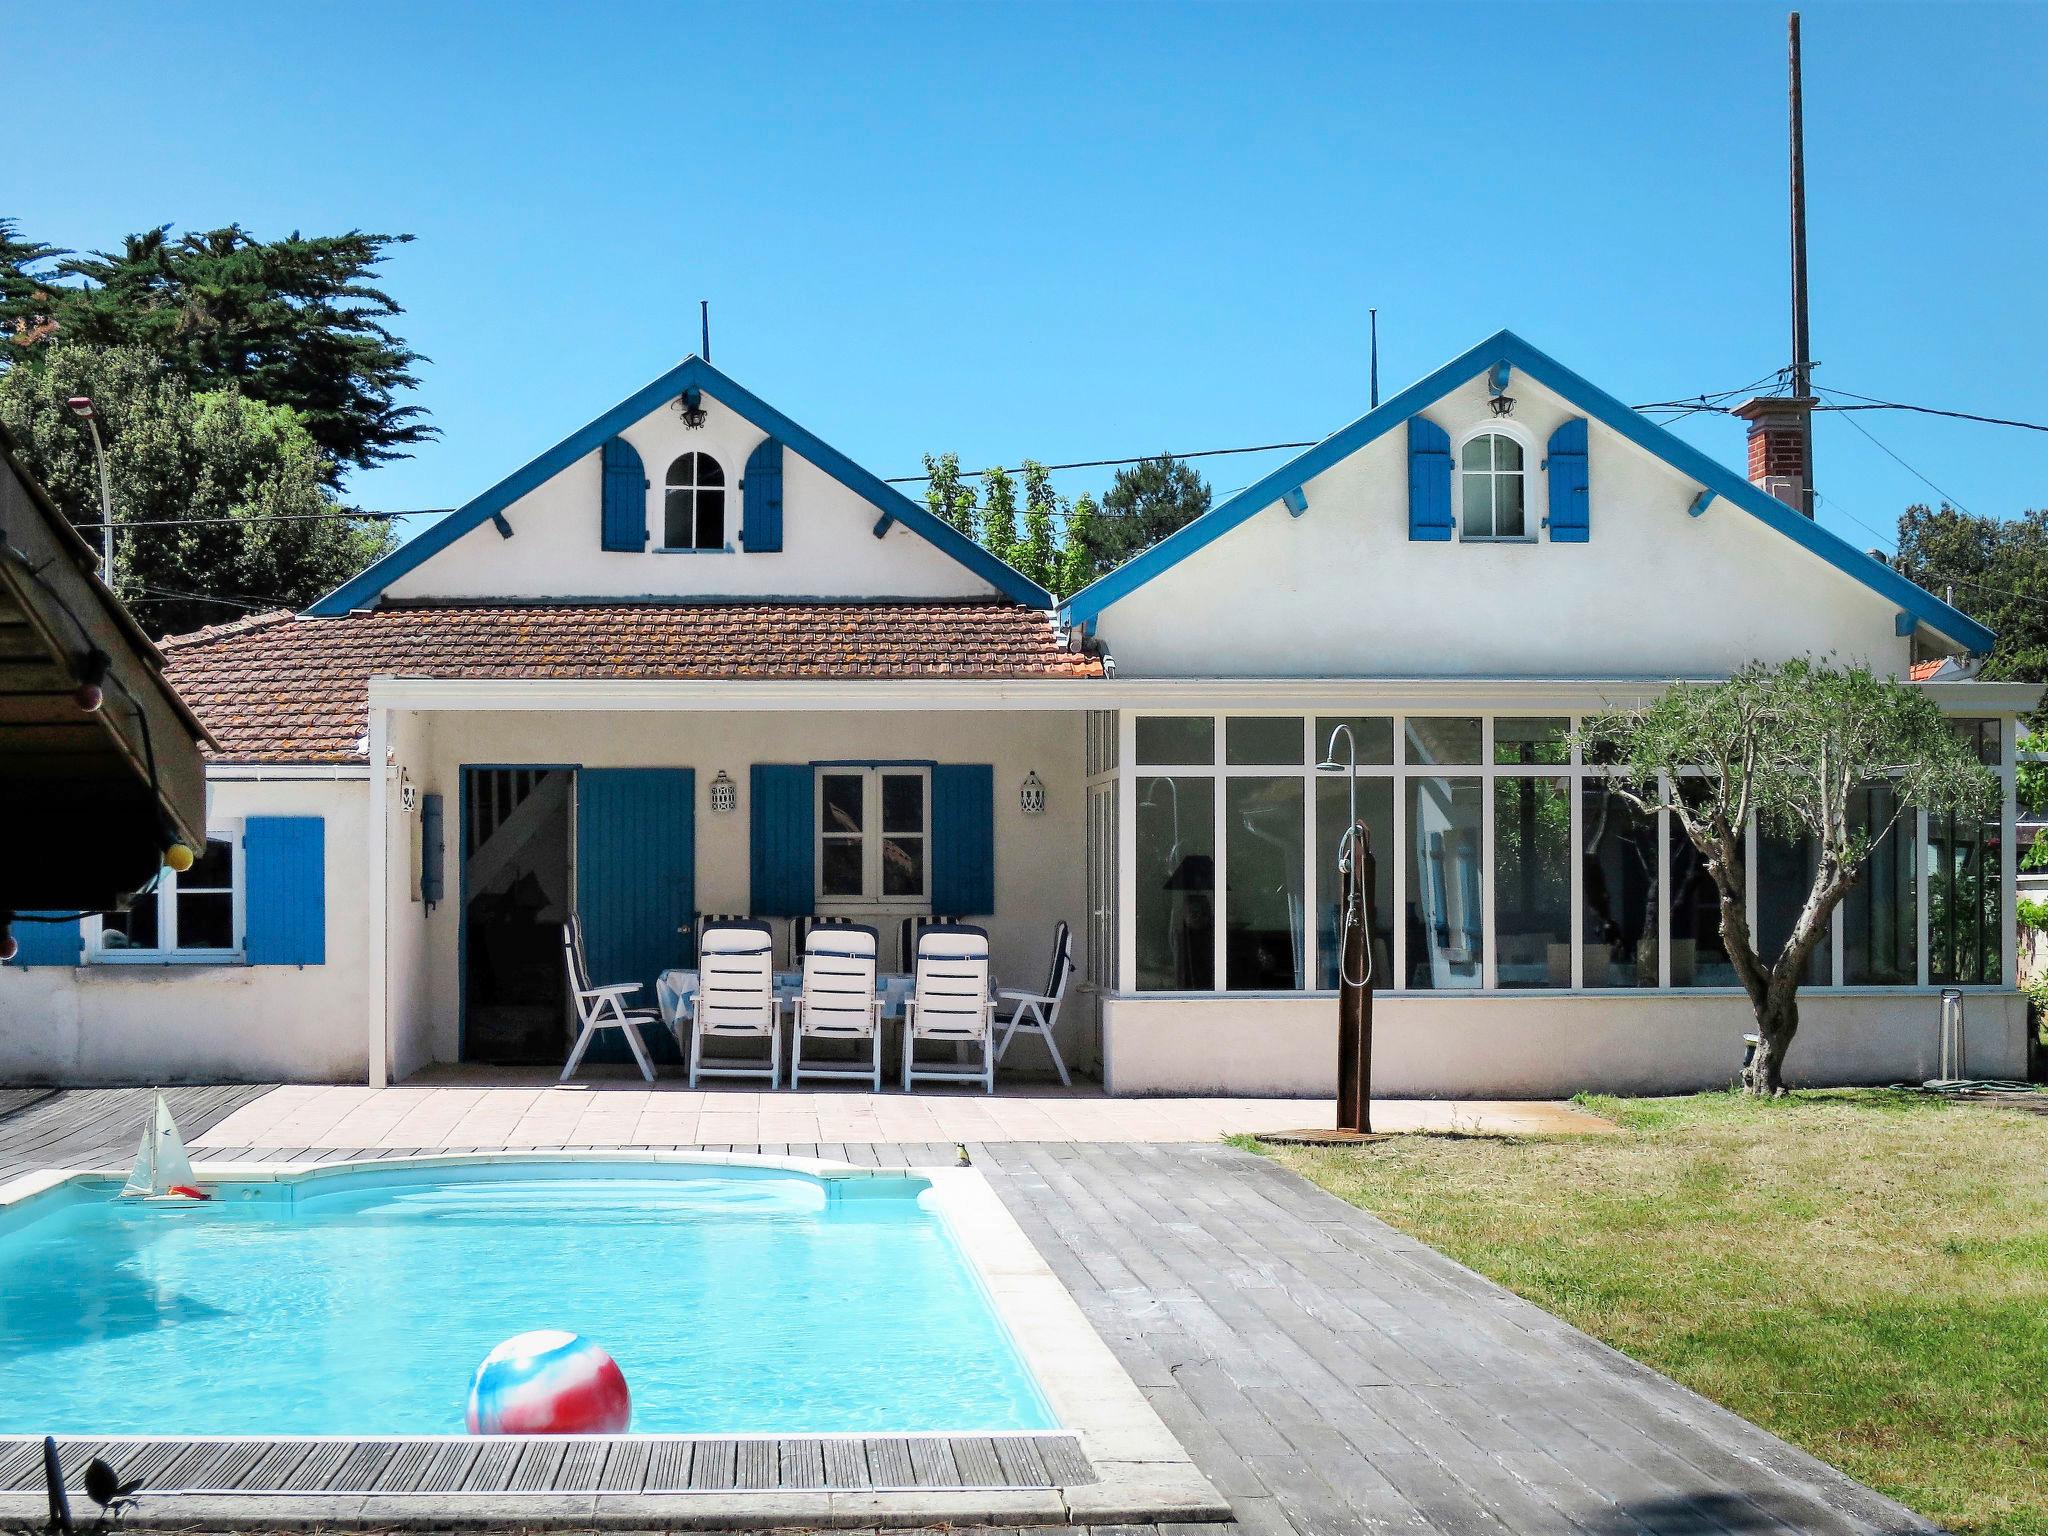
(1022, 1466)
(889, 1463)
(668, 1467)
(536, 1470)
(364, 1466)
(802, 1463)
(236, 1464)
(932, 1464)
(318, 1469)
(491, 1472)
(18, 1462)
(1064, 1463)
(448, 1468)
(75, 1455)
(280, 1459)
(714, 1464)
(402, 1472)
(142, 1461)
(582, 1466)
(846, 1463)
(757, 1465)
(625, 1470)
(975, 1456)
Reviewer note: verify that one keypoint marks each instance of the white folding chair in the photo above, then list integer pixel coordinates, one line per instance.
(951, 1005)
(735, 1000)
(601, 1008)
(838, 1002)
(1036, 1013)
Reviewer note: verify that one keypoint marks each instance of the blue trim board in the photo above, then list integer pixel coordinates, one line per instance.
(1505, 348)
(691, 373)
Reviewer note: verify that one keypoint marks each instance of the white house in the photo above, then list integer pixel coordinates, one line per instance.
(691, 659)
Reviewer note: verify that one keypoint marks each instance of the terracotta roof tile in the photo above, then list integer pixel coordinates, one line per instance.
(279, 688)
(1921, 671)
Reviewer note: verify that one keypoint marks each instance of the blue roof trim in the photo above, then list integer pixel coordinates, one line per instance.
(692, 373)
(1506, 347)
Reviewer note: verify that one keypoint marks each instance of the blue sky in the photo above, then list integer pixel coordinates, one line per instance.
(1078, 232)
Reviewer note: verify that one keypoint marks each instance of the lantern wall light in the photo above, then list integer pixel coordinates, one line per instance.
(725, 794)
(1032, 795)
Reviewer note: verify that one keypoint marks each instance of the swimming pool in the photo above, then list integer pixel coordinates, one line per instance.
(736, 1299)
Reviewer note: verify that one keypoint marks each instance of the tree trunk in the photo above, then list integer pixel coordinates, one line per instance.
(1777, 1020)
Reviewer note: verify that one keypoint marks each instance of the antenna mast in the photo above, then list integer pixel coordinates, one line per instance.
(1802, 357)
(1375, 314)
(704, 317)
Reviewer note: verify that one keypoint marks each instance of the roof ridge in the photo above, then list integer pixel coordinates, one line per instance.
(211, 632)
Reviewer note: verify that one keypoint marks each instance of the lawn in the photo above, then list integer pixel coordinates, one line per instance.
(1864, 1274)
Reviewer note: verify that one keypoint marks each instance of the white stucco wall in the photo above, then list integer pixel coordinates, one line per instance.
(828, 544)
(174, 1023)
(1040, 860)
(1342, 592)
(1533, 1045)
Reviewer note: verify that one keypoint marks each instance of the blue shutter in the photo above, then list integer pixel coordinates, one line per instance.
(963, 839)
(636, 882)
(1570, 513)
(433, 854)
(761, 532)
(625, 497)
(782, 817)
(48, 943)
(284, 873)
(1429, 481)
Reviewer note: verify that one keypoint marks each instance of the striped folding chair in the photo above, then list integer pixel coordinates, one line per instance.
(951, 1006)
(735, 1000)
(838, 1002)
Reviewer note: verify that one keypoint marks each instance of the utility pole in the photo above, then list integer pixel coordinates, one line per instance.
(704, 319)
(1802, 356)
(1375, 357)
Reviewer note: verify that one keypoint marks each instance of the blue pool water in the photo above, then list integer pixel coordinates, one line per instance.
(735, 1300)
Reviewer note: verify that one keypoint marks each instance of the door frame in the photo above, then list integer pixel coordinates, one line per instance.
(462, 780)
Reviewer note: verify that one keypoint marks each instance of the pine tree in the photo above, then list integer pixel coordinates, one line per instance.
(1037, 554)
(999, 514)
(946, 497)
(26, 303)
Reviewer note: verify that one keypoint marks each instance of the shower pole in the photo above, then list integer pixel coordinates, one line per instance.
(1354, 985)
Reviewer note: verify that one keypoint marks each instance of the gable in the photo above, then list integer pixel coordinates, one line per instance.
(543, 532)
(1650, 590)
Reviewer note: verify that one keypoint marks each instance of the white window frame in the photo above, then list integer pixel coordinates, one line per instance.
(725, 489)
(870, 898)
(1497, 427)
(165, 896)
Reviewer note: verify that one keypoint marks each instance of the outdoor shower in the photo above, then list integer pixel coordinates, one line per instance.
(1357, 875)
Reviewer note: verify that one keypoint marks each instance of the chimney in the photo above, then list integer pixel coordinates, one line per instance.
(1777, 447)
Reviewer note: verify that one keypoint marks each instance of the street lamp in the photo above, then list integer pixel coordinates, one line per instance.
(82, 407)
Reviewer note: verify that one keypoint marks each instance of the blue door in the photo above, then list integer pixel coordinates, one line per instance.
(636, 881)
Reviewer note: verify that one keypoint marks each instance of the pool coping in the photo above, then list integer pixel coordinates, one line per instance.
(1142, 1474)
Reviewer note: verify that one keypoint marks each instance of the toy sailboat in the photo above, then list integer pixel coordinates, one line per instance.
(162, 1170)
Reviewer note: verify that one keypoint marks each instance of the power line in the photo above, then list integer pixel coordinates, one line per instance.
(1944, 495)
(1143, 458)
(1871, 403)
(264, 517)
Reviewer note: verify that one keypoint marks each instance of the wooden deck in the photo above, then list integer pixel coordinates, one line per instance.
(596, 1464)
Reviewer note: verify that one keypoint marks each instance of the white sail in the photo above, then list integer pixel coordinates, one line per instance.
(160, 1161)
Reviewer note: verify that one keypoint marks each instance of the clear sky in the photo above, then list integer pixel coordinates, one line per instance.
(1078, 232)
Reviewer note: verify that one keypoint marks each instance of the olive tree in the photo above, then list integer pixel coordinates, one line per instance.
(1786, 748)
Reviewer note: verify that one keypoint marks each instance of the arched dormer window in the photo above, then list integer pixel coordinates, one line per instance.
(693, 506)
(1493, 501)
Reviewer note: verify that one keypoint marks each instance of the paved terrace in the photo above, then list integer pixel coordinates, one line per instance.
(1329, 1375)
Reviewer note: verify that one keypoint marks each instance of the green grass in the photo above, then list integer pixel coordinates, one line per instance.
(1864, 1274)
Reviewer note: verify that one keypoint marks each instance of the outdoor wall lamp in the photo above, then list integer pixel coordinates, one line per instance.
(1032, 794)
(725, 795)
(691, 404)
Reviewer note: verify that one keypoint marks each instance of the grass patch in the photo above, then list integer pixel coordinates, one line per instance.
(1862, 1273)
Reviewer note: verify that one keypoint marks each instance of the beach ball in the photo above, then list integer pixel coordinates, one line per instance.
(549, 1383)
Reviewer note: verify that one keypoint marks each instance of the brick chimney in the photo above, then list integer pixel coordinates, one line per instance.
(1777, 446)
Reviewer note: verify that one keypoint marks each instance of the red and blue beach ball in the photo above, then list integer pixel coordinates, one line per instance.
(549, 1383)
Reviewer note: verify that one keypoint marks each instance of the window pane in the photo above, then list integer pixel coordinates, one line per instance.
(1519, 739)
(711, 520)
(1376, 810)
(1962, 901)
(902, 802)
(1175, 880)
(1507, 506)
(841, 795)
(1507, 453)
(709, 471)
(1477, 500)
(1784, 874)
(1262, 739)
(1478, 454)
(839, 861)
(1532, 882)
(1176, 739)
(213, 870)
(1446, 933)
(206, 920)
(134, 929)
(902, 866)
(1880, 916)
(1433, 739)
(1264, 943)
(1620, 890)
(678, 519)
(1372, 735)
(1699, 955)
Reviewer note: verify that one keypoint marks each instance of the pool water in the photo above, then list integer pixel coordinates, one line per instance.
(736, 1301)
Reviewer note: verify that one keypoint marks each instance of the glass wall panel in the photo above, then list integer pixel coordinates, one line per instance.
(1880, 916)
(1173, 740)
(1531, 740)
(1263, 740)
(1372, 734)
(1784, 875)
(1434, 739)
(1699, 955)
(1446, 921)
(1620, 873)
(1376, 810)
(1532, 882)
(1175, 883)
(1962, 900)
(1264, 941)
